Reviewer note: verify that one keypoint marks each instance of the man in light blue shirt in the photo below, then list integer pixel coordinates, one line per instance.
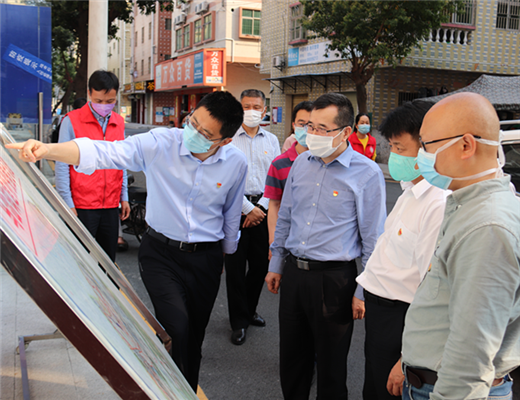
(195, 191)
(332, 211)
(246, 269)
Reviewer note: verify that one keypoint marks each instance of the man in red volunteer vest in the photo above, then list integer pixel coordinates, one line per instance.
(95, 198)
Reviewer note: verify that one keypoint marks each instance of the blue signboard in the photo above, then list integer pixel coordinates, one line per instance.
(294, 55)
(198, 67)
(28, 62)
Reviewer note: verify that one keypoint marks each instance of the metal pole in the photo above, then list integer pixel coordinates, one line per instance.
(40, 121)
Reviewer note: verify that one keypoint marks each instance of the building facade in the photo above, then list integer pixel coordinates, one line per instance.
(483, 39)
(215, 46)
(119, 61)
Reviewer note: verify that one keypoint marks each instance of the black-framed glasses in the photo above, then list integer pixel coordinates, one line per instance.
(423, 144)
(321, 131)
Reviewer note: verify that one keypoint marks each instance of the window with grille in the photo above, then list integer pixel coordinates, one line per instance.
(142, 34)
(250, 22)
(186, 35)
(168, 24)
(508, 14)
(149, 30)
(296, 30)
(406, 97)
(178, 39)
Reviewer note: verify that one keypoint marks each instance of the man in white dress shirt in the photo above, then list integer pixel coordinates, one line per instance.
(402, 254)
(245, 285)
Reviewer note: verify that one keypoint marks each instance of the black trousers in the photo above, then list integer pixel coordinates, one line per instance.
(244, 287)
(316, 325)
(183, 288)
(103, 225)
(384, 325)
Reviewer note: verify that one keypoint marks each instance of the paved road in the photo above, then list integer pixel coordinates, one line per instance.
(250, 371)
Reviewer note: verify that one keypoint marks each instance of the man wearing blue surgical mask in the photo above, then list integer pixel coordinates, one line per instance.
(462, 331)
(281, 165)
(402, 254)
(246, 269)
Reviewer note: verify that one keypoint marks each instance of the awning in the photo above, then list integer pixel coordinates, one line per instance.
(322, 79)
(502, 91)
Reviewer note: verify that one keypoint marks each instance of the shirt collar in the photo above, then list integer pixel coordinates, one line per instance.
(461, 196)
(241, 131)
(418, 189)
(291, 152)
(344, 158)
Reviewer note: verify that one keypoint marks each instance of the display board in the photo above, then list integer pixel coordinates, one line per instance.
(55, 269)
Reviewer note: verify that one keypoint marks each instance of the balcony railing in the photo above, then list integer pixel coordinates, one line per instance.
(452, 34)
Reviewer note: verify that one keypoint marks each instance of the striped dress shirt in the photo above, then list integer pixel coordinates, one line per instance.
(260, 151)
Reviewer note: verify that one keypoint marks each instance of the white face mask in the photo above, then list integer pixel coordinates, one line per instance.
(252, 118)
(321, 146)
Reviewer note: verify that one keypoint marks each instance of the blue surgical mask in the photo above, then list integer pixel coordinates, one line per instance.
(194, 141)
(402, 168)
(426, 163)
(184, 125)
(364, 129)
(301, 135)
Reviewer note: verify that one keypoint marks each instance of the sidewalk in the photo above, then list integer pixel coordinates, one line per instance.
(56, 369)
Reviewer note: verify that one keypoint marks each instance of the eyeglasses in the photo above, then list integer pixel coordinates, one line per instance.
(423, 144)
(321, 131)
(196, 127)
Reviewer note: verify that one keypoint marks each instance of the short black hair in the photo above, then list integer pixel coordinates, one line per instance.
(345, 115)
(303, 105)
(225, 109)
(253, 93)
(79, 102)
(407, 118)
(358, 117)
(103, 80)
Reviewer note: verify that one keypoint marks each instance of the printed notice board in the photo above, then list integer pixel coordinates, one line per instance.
(42, 254)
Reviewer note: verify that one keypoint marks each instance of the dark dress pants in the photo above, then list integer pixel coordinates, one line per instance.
(183, 287)
(316, 324)
(103, 225)
(244, 286)
(384, 325)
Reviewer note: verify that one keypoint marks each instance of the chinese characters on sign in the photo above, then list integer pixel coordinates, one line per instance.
(203, 68)
(28, 63)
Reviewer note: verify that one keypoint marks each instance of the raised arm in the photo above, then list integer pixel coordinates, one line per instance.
(33, 150)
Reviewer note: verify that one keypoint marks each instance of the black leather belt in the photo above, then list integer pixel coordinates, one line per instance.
(310, 265)
(381, 301)
(182, 246)
(419, 376)
(254, 198)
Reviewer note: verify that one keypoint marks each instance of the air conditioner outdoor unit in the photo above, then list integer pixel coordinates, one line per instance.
(185, 7)
(180, 19)
(278, 62)
(201, 8)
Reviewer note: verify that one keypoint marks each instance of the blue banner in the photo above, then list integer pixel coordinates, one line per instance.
(28, 63)
(198, 67)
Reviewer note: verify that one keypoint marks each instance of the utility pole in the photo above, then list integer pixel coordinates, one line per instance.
(97, 36)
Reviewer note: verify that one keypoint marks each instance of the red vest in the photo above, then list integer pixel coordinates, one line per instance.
(102, 189)
(358, 146)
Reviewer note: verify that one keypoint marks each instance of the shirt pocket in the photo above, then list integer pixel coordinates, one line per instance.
(432, 280)
(401, 245)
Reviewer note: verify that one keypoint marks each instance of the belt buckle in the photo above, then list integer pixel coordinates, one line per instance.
(302, 264)
(184, 246)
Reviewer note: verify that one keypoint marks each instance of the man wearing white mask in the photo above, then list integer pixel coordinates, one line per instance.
(462, 331)
(333, 210)
(246, 269)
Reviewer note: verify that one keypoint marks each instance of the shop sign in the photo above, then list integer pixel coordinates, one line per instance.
(140, 87)
(312, 54)
(203, 68)
(128, 88)
(150, 86)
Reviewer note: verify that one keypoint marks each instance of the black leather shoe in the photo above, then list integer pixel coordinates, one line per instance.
(257, 320)
(238, 337)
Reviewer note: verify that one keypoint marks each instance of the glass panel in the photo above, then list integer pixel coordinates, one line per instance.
(257, 14)
(198, 31)
(256, 30)
(178, 42)
(187, 36)
(247, 26)
(247, 13)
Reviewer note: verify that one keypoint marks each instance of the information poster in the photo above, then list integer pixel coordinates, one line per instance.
(34, 237)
